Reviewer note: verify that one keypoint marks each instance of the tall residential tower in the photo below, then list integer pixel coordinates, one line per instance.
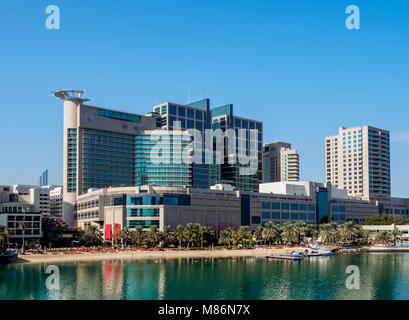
(358, 159)
(280, 162)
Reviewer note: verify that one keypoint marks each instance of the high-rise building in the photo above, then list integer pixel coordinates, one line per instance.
(358, 159)
(56, 198)
(43, 180)
(224, 119)
(108, 148)
(280, 162)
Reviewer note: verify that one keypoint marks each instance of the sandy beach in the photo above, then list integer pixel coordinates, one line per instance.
(176, 254)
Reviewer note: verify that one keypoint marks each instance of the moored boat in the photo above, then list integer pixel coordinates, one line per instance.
(288, 256)
(8, 254)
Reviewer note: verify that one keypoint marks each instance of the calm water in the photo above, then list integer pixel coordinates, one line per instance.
(383, 276)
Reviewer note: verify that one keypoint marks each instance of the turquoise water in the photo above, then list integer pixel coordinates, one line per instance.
(382, 276)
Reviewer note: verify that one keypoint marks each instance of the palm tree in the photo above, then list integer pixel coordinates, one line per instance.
(258, 233)
(2, 236)
(191, 230)
(226, 236)
(270, 232)
(365, 234)
(115, 234)
(349, 232)
(180, 234)
(137, 236)
(22, 226)
(204, 232)
(395, 235)
(289, 233)
(299, 229)
(124, 235)
(168, 236)
(244, 235)
(93, 233)
(383, 236)
(328, 232)
(313, 231)
(153, 235)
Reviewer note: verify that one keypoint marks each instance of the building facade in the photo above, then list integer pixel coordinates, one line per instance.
(280, 162)
(358, 160)
(104, 147)
(220, 207)
(14, 209)
(224, 120)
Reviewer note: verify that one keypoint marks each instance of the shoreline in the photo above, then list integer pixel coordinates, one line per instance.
(183, 254)
(141, 255)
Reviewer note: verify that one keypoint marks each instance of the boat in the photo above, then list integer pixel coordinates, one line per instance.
(327, 253)
(288, 256)
(8, 254)
(313, 254)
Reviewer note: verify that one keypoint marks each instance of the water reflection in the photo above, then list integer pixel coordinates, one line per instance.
(383, 276)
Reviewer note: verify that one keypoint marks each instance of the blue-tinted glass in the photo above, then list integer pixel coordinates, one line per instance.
(181, 111)
(190, 124)
(285, 206)
(265, 205)
(199, 125)
(199, 115)
(190, 113)
(285, 216)
(265, 215)
(172, 109)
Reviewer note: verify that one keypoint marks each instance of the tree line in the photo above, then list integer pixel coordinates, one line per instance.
(196, 235)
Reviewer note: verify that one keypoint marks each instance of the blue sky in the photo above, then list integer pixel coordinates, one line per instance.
(291, 64)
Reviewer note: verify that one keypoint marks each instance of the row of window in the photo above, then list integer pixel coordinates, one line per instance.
(288, 206)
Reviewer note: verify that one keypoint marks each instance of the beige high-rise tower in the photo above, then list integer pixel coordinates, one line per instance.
(280, 162)
(358, 160)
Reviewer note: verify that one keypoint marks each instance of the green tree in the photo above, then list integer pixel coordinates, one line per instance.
(289, 233)
(365, 234)
(396, 235)
(180, 234)
(191, 232)
(385, 219)
(349, 232)
(383, 236)
(93, 234)
(328, 232)
(22, 226)
(226, 236)
(204, 232)
(168, 236)
(270, 232)
(138, 236)
(153, 236)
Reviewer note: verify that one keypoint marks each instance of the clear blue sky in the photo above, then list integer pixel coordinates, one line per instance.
(292, 64)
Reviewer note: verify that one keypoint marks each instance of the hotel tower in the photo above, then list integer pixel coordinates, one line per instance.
(358, 159)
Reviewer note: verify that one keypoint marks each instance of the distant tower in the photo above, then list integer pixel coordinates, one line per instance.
(43, 181)
(72, 99)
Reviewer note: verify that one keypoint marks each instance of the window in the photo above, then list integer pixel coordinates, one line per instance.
(199, 115)
(285, 206)
(294, 206)
(265, 205)
(275, 205)
(285, 215)
(172, 109)
(190, 113)
(275, 215)
(266, 215)
(181, 111)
